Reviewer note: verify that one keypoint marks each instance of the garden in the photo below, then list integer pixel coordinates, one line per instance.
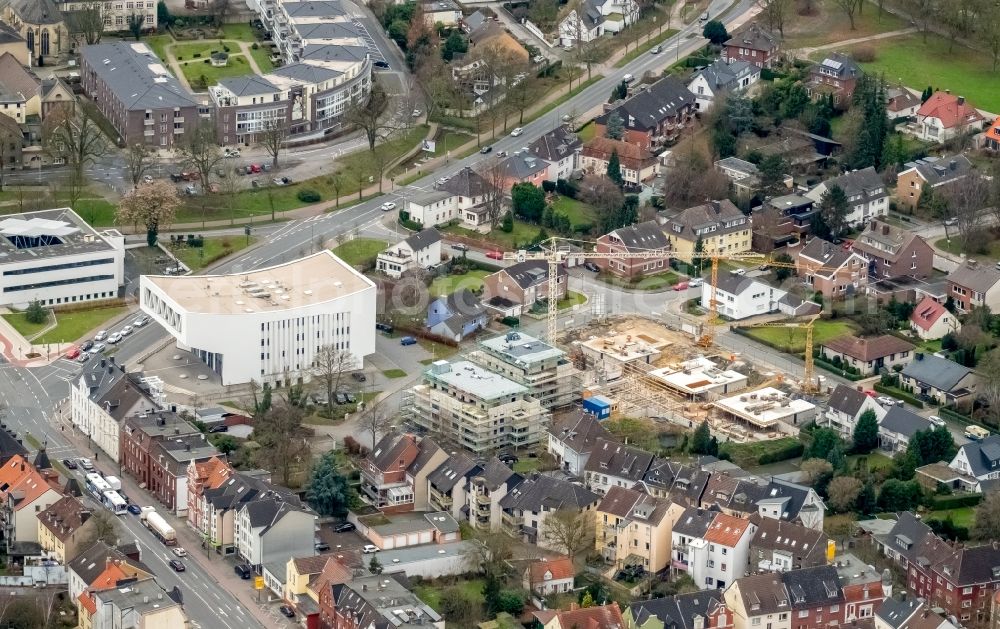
(197, 252)
(41, 326)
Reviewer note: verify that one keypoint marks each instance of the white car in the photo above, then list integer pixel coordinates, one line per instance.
(516, 132)
(696, 282)
(740, 271)
(442, 181)
(885, 400)
(369, 548)
(416, 113)
(388, 206)
(147, 179)
(138, 323)
(103, 334)
(126, 330)
(628, 78)
(114, 338)
(937, 421)
(656, 50)
(86, 464)
(180, 552)
(97, 348)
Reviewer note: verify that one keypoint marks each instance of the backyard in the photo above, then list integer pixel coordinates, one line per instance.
(830, 24)
(360, 251)
(522, 234)
(954, 246)
(448, 284)
(430, 591)
(962, 516)
(793, 340)
(70, 326)
(201, 74)
(578, 212)
(651, 282)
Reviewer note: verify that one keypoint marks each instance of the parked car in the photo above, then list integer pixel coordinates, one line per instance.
(134, 509)
(100, 336)
(369, 548)
(287, 611)
(126, 330)
(590, 266)
(384, 327)
(141, 321)
(281, 181)
(441, 181)
(147, 179)
(485, 149)
(114, 338)
(86, 464)
(495, 255)
(190, 190)
(177, 565)
(322, 547)
(345, 527)
(253, 169)
(350, 398)
(739, 271)
(70, 464)
(73, 353)
(886, 400)
(407, 340)
(97, 348)
(244, 570)
(341, 398)
(696, 282)
(937, 421)
(508, 459)
(358, 376)
(416, 113)
(180, 552)
(231, 153)
(219, 428)
(83, 357)
(681, 286)
(388, 206)
(501, 154)
(381, 64)
(517, 131)
(460, 247)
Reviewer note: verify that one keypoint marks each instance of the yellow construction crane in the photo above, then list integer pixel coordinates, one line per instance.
(708, 332)
(809, 385)
(558, 255)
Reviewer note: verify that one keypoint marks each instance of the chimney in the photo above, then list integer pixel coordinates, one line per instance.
(952, 165)
(874, 225)
(573, 607)
(885, 229)
(961, 100)
(717, 207)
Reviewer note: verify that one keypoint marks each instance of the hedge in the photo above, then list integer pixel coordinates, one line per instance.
(943, 503)
(410, 224)
(948, 413)
(308, 195)
(837, 370)
(897, 393)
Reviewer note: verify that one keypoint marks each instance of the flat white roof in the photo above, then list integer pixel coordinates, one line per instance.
(626, 347)
(521, 348)
(315, 279)
(697, 375)
(475, 380)
(763, 407)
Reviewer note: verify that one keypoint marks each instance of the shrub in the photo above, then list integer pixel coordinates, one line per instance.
(196, 55)
(864, 54)
(512, 322)
(943, 503)
(255, 46)
(207, 61)
(225, 49)
(309, 196)
(549, 186)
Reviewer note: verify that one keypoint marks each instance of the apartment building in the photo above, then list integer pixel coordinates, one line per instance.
(542, 368)
(894, 252)
(118, 14)
(25, 493)
(633, 528)
(479, 409)
(866, 193)
(720, 225)
(833, 270)
(488, 484)
(64, 527)
(530, 503)
(272, 529)
(712, 547)
(641, 238)
(974, 284)
(779, 546)
(573, 437)
(612, 464)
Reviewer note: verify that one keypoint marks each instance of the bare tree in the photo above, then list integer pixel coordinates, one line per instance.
(104, 529)
(329, 366)
(773, 14)
(850, 8)
(272, 137)
(337, 183)
(966, 200)
(72, 137)
(368, 113)
(152, 204)
(494, 175)
(375, 417)
(521, 93)
(283, 449)
(989, 33)
(88, 22)
(220, 10)
(201, 151)
(923, 12)
(692, 179)
(138, 161)
(602, 193)
(570, 531)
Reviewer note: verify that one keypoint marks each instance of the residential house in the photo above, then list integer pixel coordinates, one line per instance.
(447, 485)
(868, 355)
(271, 529)
(481, 409)
(637, 163)
(572, 439)
(837, 75)
(738, 296)
(460, 198)
(695, 610)
(991, 137)
(593, 18)
(633, 528)
(549, 576)
(41, 25)
(816, 596)
(944, 380)
(204, 476)
(64, 527)
(560, 150)
(833, 270)
(543, 368)
(20, 90)
(641, 238)
(865, 191)
(782, 220)
(777, 499)
(720, 225)
(457, 315)
(375, 601)
(742, 175)
(721, 77)
(608, 616)
(488, 484)
(909, 613)
(26, 492)
(102, 397)
(138, 435)
(712, 547)
(143, 602)
(85, 569)
(116, 15)
(531, 502)
(759, 601)
(961, 583)
(682, 484)
(903, 543)
(929, 173)
(299, 573)
(168, 468)
(429, 458)
(898, 427)
(930, 320)
(516, 288)
(846, 406)
(779, 546)
(108, 575)
(13, 144)
(973, 284)
(894, 252)
(612, 464)
(754, 44)
(653, 117)
(978, 459)
(221, 508)
(944, 116)
(523, 167)
(394, 474)
(421, 250)
(445, 12)
(901, 103)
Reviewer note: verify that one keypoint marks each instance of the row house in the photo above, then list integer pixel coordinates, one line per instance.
(26, 492)
(865, 191)
(846, 406)
(202, 476)
(527, 506)
(64, 527)
(572, 438)
(974, 284)
(712, 547)
(273, 528)
(86, 568)
(396, 471)
(777, 499)
(374, 601)
(612, 464)
(635, 163)
(779, 546)
(909, 613)
(960, 580)
(633, 528)
(894, 252)
(655, 116)
(695, 610)
(683, 484)
(642, 238)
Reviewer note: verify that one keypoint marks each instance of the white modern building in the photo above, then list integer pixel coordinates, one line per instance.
(712, 547)
(700, 378)
(54, 256)
(267, 325)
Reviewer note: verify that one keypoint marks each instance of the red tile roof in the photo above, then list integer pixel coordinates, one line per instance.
(598, 617)
(868, 349)
(726, 530)
(559, 568)
(926, 314)
(946, 108)
(19, 475)
(994, 130)
(87, 602)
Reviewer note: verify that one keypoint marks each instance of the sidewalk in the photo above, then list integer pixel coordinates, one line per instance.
(805, 52)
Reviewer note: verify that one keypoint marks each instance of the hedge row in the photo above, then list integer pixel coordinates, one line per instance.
(837, 370)
(896, 393)
(942, 503)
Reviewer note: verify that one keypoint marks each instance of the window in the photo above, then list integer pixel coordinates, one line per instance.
(755, 621)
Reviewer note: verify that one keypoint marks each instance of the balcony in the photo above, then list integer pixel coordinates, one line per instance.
(148, 122)
(441, 501)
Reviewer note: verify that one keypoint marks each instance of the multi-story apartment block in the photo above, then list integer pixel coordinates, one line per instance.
(542, 368)
(477, 408)
(779, 546)
(894, 252)
(488, 484)
(447, 485)
(633, 528)
(612, 464)
(394, 474)
(866, 193)
(720, 226)
(118, 14)
(530, 503)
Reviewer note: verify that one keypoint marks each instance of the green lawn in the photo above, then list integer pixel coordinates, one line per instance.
(954, 246)
(571, 299)
(203, 73)
(185, 52)
(431, 593)
(97, 212)
(645, 47)
(159, 44)
(748, 454)
(587, 132)
(963, 516)
(653, 281)
(239, 32)
(527, 465)
(19, 321)
(830, 24)
(874, 461)
(72, 326)
(360, 251)
(451, 140)
(438, 350)
(793, 340)
(262, 55)
(565, 97)
(214, 249)
(522, 234)
(578, 212)
(448, 284)
(394, 373)
(918, 64)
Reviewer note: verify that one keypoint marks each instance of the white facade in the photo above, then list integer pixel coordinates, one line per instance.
(754, 299)
(440, 207)
(863, 207)
(844, 423)
(263, 542)
(714, 564)
(267, 325)
(401, 257)
(54, 256)
(99, 400)
(705, 91)
(572, 461)
(573, 29)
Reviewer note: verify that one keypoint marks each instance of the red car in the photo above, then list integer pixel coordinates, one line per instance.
(681, 286)
(73, 353)
(495, 255)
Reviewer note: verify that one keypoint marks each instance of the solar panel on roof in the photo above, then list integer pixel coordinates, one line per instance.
(830, 63)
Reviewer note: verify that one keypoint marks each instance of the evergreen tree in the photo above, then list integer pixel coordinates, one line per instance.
(895, 152)
(507, 226)
(869, 96)
(866, 502)
(329, 492)
(615, 127)
(833, 210)
(702, 441)
(454, 43)
(699, 247)
(36, 313)
(375, 566)
(615, 169)
(927, 93)
(866, 432)
(932, 445)
(771, 175)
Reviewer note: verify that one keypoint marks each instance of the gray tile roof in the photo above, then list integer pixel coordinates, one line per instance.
(615, 459)
(847, 400)
(36, 11)
(813, 587)
(827, 254)
(428, 448)
(736, 284)
(895, 612)
(523, 166)
(556, 144)
(136, 76)
(754, 36)
(314, 9)
(579, 432)
(974, 276)
(466, 183)
(907, 536)
(530, 272)
(8, 35)
(695, 521)
(764, 594)
(713, 213)
(683, 483)
(16, 79)
(334, 52)
(864, 182)
(326, 30)
(647, 109)
(904, 422)
(632, 505)
(939, 373)
(939, 171)
(839, 65)
(452, 472)
(248, 85)
(723, 76)
(983, 456)
(541, 493)
(423, 238)
(807, 545)
(475, 20)
(676, 612)
(737, 164)
(642, 236)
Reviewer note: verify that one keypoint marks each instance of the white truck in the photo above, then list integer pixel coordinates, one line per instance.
(114, 482)
(158, 526)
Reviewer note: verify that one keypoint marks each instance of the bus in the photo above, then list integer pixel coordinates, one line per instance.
(115, 503)
(97, 485)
